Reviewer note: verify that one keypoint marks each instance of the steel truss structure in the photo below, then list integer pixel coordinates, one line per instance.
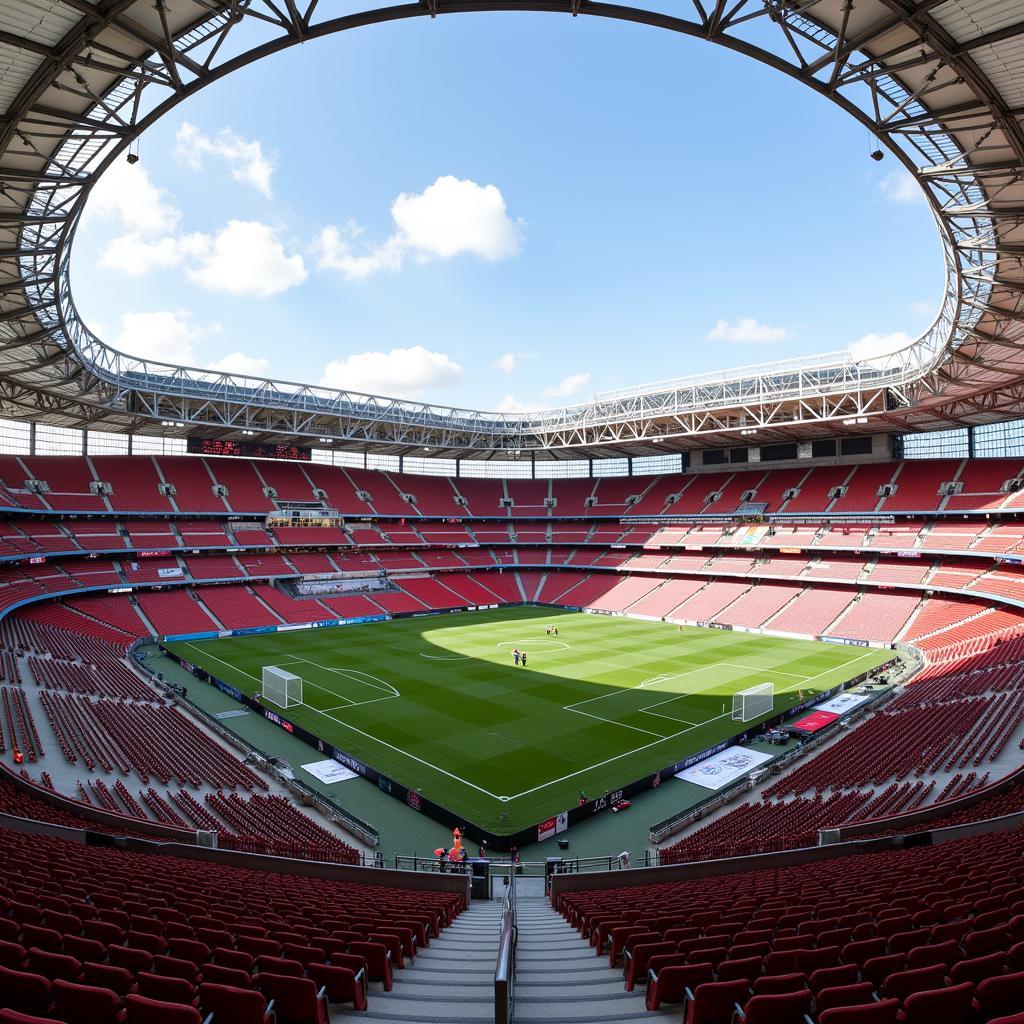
(932, 79)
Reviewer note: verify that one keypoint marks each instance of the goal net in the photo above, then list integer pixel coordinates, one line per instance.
(281, 688)
(754, 702)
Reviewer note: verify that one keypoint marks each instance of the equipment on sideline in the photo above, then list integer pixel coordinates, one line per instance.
(281, 688)
(754, 702)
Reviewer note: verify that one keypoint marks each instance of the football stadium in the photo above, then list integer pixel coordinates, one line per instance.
(436, 690)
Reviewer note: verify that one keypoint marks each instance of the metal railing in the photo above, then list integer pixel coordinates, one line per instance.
(505, 967)
(524, 868)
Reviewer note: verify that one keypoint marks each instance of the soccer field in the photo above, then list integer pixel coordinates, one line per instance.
(437, 704)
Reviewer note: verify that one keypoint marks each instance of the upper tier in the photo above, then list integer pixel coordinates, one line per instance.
(187, 484)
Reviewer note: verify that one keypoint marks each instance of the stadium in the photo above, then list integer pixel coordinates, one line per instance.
(700, 700)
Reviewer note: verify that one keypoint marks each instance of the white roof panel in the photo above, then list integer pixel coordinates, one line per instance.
(42, 21)
(965, 20)
(16, 68)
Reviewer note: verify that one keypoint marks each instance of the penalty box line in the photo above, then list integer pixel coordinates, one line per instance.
(667, 676)
(654, 743)
(374, 739)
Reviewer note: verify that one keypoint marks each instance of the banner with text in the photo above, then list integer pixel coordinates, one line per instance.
(843, 703)
(329, 772)
(721, 769)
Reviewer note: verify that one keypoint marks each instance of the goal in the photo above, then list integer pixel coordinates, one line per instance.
(281, 688)
(754, 702)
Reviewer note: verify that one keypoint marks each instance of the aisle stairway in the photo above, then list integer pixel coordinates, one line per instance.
(559, 978)
(451, 980)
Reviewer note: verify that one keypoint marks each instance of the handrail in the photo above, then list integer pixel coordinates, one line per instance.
(505, 967)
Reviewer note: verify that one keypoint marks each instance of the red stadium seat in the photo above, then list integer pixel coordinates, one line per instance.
(238, 1005)
(951, 1005)
(296, 1000)
(85, 1004)
(25, 992)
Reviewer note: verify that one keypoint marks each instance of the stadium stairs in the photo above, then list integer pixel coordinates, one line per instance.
(452, 979)
(560, 981)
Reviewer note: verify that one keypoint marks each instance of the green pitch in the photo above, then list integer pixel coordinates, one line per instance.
(437, 704)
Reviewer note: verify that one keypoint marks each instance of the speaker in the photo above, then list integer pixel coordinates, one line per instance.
(563, 844)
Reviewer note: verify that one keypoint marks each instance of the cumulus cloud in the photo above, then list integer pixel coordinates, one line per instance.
(511, 404)
(135, 255)
(454, 216)
(570, 385)
(171, 337)
(509, 362)
(746, 331)
(241, 364)
(336, 248)
(900, 187)
(247, 258)
(400, 373)
(165, 336)
(246, 161)
(124, 193)
(871, 346)
(451, 217)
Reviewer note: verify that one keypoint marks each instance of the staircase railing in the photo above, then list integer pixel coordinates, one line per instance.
(505, 968)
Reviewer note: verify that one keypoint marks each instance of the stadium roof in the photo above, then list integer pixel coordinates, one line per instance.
(939, 82)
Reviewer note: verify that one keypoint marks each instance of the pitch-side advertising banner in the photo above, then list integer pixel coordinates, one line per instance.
(720, 769)
(329, 771)
(843, 703)
(813, 722)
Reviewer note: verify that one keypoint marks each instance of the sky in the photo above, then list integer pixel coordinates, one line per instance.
(504, 212)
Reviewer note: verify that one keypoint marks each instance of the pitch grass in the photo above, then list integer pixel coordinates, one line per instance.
(437, 704)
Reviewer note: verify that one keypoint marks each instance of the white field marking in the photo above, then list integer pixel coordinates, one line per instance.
(637, 750)
(206, 654)
(558, 645)
(671, 718)
(366, 735)
(651, 682)
(750, 668)
(543, 785)
(309, 682)
(610, 721)
(340, 707)
(352, 673)
(445, 657)
(617, 757)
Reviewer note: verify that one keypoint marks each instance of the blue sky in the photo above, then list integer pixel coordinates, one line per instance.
(503, 211)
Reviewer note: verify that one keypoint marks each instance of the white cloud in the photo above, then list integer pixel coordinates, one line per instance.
(746, 330)
(336, 253)
(124, 193)
(873, 345)
(400, 373)
(901, 188)
(240, 363)
(454, 216)
(171, 337)
(448, 218)
(923, 308)
(136, 255)
(247, 258)
(570, 385)
(246, 160)
(167, 337)
(511, 404)
(509, 362)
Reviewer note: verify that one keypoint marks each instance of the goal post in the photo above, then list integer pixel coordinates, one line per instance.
(754, 702)
(281, 688)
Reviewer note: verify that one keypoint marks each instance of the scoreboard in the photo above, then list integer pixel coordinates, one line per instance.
(247, 449)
